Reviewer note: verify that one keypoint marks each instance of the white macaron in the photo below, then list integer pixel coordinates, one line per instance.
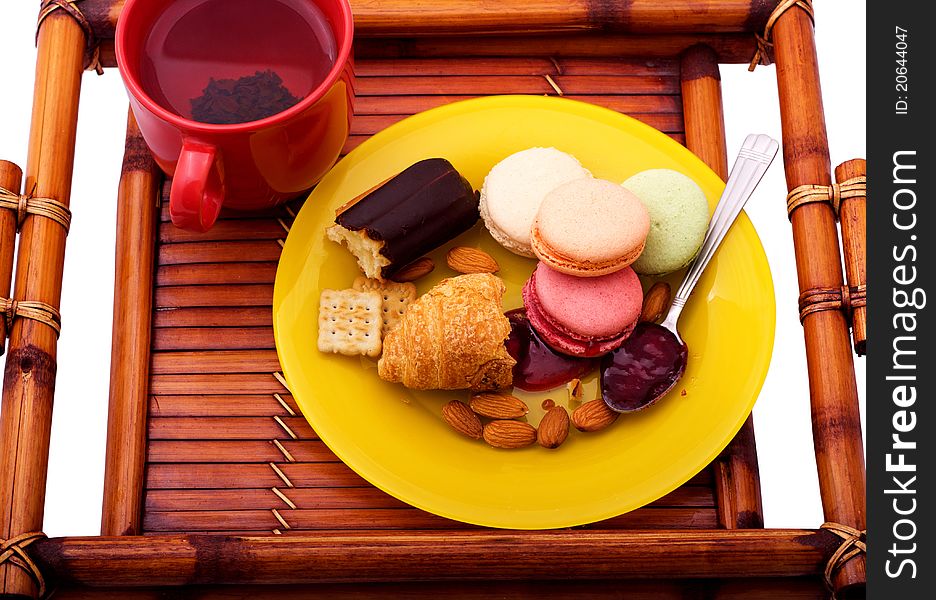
(514, 189)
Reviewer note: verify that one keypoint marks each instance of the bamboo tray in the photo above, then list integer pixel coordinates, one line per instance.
(212, 334)
(203, 437)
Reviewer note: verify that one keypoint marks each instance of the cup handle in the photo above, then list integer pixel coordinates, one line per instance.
(197, 188)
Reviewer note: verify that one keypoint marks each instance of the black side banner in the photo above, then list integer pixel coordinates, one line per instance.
(901, 269)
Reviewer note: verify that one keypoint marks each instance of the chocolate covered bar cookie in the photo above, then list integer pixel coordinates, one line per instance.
(405, 217)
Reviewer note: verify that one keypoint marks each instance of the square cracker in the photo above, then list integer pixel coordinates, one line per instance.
(350, 322)
(396, 297)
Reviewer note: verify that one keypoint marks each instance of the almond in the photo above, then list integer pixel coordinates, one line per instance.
(593, 416)
(498, 406)
(413, 271)
(509, 434)
(655, 302)
(457, 414)
(471, 260)
(554, 428)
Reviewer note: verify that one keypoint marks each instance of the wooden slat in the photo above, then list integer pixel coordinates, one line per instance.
(242, 383)
(729, 48)
(356, 140)
(239, 405)
(231, 361)
(227, 476)
(397, 105)
(265, 499)
(227, 428)
(213, 338)
(243, 451)
(394, 518)
(227, 214)
(364, 497)
(514, 65)
(371, 124)
(214, 295)
(214, 316)
(216, 274)
(516, 84)
(218, 252)
(231, 229)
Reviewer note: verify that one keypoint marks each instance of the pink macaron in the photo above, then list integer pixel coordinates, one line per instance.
(583, 316)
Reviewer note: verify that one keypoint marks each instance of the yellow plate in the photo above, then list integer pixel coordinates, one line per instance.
(395, 438)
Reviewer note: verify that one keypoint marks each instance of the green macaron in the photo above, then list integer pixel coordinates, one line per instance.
(679, 217)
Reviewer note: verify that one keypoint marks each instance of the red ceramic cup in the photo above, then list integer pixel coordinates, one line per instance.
(252, 165)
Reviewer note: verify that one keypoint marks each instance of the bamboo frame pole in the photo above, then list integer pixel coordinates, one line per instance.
(174, 560)
(703, 112)
(468, 17)
(137, 217)
(737, 478)
(852, 219)
(11, 178)
(29, 380)
(833, 391)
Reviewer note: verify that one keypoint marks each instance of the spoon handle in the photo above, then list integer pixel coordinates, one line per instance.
(753, 159)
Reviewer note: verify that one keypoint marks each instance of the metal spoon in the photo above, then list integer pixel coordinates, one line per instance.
(647, 366)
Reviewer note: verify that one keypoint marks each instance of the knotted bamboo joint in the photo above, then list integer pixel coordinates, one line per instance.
(834, 194)
(832, 298)
(30, 309)
(25, 204)
(13, 551)
(764, 44)
(854, 542)
(92, 47)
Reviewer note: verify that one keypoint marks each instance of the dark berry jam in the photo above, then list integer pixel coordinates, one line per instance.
(539, 367)
(643, 369)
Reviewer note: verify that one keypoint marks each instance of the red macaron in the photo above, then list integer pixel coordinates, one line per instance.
(583, 316)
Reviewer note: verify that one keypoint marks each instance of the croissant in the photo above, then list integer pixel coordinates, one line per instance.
(451, 338)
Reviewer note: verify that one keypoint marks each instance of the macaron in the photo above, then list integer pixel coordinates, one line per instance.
(590, 227)
(583, 316)
(679, 217)
(514, 189)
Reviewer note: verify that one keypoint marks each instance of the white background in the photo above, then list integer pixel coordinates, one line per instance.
(76, 463)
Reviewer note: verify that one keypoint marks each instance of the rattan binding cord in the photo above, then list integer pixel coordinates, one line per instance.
(27, 204)
(92, 47)
(762, 54)
(854, 542)
(23, 205)
(843, 298)
(13, 551)
(30, 309)
(834, 194)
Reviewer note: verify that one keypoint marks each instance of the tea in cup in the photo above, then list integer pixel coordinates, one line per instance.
(244, 103)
